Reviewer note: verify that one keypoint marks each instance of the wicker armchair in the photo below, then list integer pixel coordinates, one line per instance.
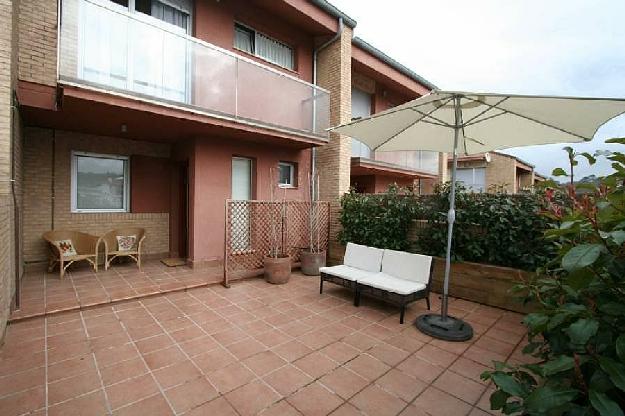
(112, 251)
(85, 245)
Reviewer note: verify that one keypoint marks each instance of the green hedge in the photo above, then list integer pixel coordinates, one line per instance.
(498, 228)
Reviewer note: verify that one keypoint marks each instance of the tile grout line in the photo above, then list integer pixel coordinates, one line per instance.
(97, 367)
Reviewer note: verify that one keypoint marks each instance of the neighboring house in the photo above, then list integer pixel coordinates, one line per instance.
(153, 113)
(492, 171)
(380, 83)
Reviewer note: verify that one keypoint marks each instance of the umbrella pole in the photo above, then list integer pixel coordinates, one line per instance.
(443, 326)
(451, 214)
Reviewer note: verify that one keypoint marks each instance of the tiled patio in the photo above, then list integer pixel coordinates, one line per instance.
(44, 292)
(251, 349)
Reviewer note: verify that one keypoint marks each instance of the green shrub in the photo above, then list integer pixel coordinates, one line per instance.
(494, 228)
(378, 220)
(577, 337)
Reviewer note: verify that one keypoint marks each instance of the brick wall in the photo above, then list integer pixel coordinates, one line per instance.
(41, 180)
(37, 41)
(9, 138)
(501, 172)
(334, 159)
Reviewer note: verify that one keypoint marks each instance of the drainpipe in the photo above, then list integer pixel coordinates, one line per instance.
(16, 210)
(313, 153)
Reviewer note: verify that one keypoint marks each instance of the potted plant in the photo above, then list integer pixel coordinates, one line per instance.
(313, 257)
(277, 263)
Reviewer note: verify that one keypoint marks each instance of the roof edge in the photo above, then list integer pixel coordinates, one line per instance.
(392, 62)
(334, 11)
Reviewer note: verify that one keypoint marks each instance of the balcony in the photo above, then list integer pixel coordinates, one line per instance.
(104, 47)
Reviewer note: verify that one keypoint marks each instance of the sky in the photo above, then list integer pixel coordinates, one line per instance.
(546, 47)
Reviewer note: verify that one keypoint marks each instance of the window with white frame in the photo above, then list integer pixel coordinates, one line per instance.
(286, 177)
(255, 43)
(100, 183)
(474, 179)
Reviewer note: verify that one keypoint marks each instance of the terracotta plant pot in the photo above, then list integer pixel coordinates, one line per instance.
(277, 269)
(311, 262)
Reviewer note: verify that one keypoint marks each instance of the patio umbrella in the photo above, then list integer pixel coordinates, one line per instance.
(465, 123)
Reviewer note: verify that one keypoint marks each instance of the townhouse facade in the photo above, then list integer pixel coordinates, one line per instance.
(153, 113)
(494, 171)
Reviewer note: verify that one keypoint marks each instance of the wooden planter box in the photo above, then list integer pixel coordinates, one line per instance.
(482, 283)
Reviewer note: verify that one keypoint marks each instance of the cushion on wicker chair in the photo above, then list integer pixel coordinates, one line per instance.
(364, 258)
(408, 266)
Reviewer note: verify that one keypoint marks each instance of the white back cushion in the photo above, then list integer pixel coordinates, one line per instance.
(415, 267)
(363, 257)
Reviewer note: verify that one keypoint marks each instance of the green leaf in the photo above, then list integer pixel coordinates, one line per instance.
(558, 172)
(580, 332)
(536, 321)
(498, 399)
(620, 347)
(620, 140)
(508, 384)
(615, 370)
(604, 405)
(591, 159)
(618, 236)
(580, 279)
(612, 308)
(546, 398)
(581, 256)
(562, 363)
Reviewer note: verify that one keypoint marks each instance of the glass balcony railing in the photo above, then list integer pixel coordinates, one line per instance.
(104, 46)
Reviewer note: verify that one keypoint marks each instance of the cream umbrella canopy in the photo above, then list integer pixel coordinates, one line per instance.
(465, 123)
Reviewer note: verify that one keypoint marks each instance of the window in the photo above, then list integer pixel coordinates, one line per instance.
(361, 108)
(248, 40)
(100, 183)
(287, 175)
(474, 179)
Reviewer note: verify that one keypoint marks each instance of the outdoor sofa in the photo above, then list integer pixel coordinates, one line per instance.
(392, 276)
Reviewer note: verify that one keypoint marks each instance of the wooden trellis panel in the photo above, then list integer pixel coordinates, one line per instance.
(253, 227)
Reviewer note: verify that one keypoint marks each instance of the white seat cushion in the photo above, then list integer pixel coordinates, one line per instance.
(347, 272)
(392, 284)
(364, 258)
(407, 266)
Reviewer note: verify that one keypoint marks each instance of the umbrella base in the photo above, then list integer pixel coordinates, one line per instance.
(450, 329)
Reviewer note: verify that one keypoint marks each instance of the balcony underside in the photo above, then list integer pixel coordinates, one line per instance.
(364, 166)
(90, 111)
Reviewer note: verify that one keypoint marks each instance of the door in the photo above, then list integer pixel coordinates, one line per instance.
(241, 191)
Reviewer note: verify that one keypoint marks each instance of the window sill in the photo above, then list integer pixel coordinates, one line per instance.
(287, 187)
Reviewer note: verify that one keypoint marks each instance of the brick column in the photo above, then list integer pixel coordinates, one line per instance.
(333, 160)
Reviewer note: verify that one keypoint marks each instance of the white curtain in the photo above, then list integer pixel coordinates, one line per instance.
(274, 51)
(244, 40)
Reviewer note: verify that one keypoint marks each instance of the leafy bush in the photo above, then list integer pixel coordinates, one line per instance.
(378, 220)
(494, 228)
(577, 337)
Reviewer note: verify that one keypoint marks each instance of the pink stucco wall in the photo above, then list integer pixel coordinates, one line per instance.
(210, 171)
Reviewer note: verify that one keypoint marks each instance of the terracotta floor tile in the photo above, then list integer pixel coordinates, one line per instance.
(316, 364)
(420, 369)
(230, 377)
(245, 348)
(22, 381)
(482, 356)
(438, 403)
(401, 385)
(122, 371)
(90, 404)
(368, 367)
(69, 388)
(155, 405)
(264, 362)
(292, 350)
(317, 339)
(177, 373)
(375, 401)
(230, 336)
(494, 345)
(287, 379)
(461, 387)
(23, 402)
(217, 407)
(360, 341)
(469, 368)
(388, 354)
(71, 367)
(436, 355)
(110, 356)
(273, 338)
(190, 394)
(344, 382)
(164, 358)
(251, 398)
(213, 360)
(131, 390)
(315, 400)
(155, 343)
(406, 342)
(198, 345)
(282, 408)
(340, 352)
